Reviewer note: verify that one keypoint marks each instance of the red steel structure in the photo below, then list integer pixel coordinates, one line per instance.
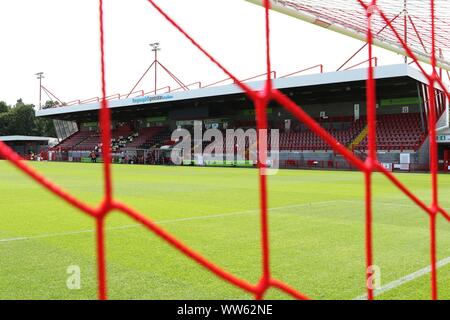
(261, 100)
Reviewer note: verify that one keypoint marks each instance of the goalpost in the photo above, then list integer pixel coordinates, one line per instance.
(410, 17)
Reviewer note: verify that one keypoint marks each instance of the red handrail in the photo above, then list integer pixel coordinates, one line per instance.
(112, 97)
(157, 90)
(304, 70)
(274, 73)
(218, 82)
(126, 95)
(375, 59)
(74, 102)
(95, 99)
(188, 85)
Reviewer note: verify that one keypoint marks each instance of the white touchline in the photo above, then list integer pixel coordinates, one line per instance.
(410, 277)
(135, 225)
(411, 205)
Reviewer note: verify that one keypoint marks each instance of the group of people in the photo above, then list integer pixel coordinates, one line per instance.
(125, 158)
(41, 156)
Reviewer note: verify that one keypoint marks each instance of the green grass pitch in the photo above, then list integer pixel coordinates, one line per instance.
(316, 233)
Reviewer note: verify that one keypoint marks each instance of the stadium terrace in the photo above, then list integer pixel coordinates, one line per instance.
(143, 125)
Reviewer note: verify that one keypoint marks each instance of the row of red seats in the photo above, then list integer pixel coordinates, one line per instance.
(144, 135)
(307, 140)
(88, 140)
(398, 132)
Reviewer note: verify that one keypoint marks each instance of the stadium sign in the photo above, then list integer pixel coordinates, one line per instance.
(150, 99)
(443, 138)
(400, 102)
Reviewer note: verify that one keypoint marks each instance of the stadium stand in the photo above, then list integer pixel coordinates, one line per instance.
(74, 140)
(121, 137)
(90, 143)
(301, 138)
(395, 132)
(159, 138)
(336, 105)
(398, 132)
(144, 136)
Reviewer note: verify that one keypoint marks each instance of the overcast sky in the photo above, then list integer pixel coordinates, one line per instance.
(61, 38)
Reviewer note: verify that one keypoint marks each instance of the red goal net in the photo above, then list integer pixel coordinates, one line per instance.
(358, 16)
(409, 19)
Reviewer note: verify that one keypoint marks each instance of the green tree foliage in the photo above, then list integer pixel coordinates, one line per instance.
(50, 104)
(3, 107)
(21, 120)
(5, 120)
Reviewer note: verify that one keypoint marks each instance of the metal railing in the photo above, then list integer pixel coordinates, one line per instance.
(375, 59)
(197, 85)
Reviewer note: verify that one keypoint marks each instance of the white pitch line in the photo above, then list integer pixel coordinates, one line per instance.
(61, 234)
(383, 203)
(408, 278)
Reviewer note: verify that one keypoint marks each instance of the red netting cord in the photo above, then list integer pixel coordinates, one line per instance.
(261, 101)
(105, 127)
(372, 144)
(433, 158)
(101, 261)
(105, 118)
(261, 122)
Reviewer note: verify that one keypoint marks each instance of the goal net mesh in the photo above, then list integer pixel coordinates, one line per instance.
(363, 17)
(409, 18)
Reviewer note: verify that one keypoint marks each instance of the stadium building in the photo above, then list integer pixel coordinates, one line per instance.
(142, 124)
(29, 147)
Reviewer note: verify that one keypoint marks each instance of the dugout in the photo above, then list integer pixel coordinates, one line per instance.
(26, 145)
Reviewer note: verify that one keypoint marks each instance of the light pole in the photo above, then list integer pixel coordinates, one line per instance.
(155, 48)
(40, 76)
(405, 26)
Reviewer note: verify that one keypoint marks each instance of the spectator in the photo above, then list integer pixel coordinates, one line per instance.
(93, 157)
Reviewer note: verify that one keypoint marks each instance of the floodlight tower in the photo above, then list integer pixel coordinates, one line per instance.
(40, 76)
(405, 25)
(155, 48)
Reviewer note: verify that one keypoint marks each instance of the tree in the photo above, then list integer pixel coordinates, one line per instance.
(5, 120)
(45, 127)
(21, 120)
(50, 104)
(4, 107)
